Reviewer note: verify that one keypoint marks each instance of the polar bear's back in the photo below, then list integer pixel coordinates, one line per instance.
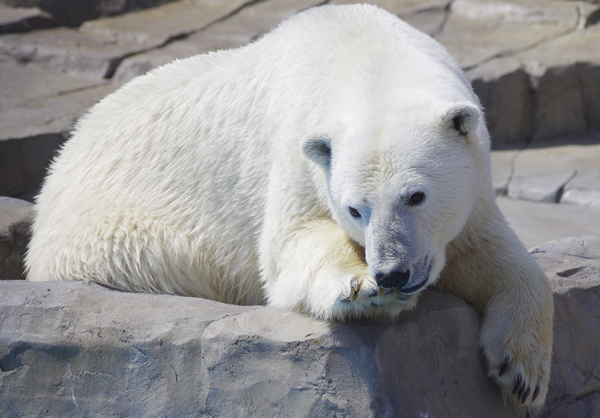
(141, 197)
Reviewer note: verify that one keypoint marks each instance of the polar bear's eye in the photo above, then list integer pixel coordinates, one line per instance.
(354, 212)
(416, 198)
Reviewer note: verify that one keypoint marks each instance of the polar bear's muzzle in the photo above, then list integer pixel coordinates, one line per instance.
(407, 281)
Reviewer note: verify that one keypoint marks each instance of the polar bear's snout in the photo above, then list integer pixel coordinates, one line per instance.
(406, 280)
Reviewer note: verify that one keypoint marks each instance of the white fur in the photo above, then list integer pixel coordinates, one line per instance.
(230, 176)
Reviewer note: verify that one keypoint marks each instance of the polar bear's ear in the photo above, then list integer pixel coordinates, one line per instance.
(463, 117)
(317, 148)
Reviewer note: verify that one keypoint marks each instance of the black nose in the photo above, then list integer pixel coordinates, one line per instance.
(393, 280)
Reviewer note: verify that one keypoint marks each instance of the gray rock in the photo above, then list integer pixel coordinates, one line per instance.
(99, 352)
(426, 15)
(77, 348)
(97, 48)
(502, 28)
(37, 110)
(509, 108)
(24, 19)
(540, 188)
(557, 85)
(72, 13)
(573, 267)
(242, 27)
(538, 222)
(15, 219)
(23, 163)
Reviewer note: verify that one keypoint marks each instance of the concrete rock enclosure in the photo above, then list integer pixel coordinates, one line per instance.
(78, 349)
(534, 63)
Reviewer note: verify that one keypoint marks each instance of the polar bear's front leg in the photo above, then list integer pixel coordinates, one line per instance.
(319, 270)
(489, 267)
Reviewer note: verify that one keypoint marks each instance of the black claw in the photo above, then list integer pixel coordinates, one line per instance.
(504, 366)
(525, 395)
(536, 392)
(521, 392)
(517, 385)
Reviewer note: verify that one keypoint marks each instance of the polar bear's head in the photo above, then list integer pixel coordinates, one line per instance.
(404, 185)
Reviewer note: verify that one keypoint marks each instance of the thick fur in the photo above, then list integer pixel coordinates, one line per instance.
(342, 152)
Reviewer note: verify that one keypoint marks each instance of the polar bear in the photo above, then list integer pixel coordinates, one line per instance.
(338, 166)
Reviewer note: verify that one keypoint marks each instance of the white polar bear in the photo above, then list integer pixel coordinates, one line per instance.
(338, 166)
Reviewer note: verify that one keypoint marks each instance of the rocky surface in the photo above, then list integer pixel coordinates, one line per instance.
(69, 349)
(566, 170)
(15, 220)
(78, 349)
(573, 266)
(534, 63)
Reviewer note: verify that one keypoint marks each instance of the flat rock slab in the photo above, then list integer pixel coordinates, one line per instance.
(15, 220)
(567, 170)
(24, 19)
(573, 267)
(539, 222)
(78, 348)
(242, 27)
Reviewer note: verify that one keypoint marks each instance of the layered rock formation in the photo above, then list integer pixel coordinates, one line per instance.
(78, 349)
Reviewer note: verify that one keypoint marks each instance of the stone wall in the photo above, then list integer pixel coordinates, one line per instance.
(78, 349)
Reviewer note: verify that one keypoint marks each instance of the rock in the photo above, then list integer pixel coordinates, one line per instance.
(15, 219)
(24, 19)
(426, 15)
(502, 169)
(509, 108)
(97, 48)
(74, 13)
(37, 111)
(99, 352)
(240, 28)
(71, 348)
(573, 267)
(556, 83)
(589, 195)
(538, 222)
(502, 28)
(568, 172)
(540, 188)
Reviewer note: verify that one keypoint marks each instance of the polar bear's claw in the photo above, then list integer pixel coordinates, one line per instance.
(504, 366)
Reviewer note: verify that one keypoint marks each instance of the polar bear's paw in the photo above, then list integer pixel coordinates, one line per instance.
(520, 365)
(363, 298)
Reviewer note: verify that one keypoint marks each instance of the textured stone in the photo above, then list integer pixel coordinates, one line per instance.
(536, 222)
(561, 106)
(559, 85)
(426, 15)
(98, 47)
(502, 28)
(73, 13)
(567, 171)
(589, 195)
(76, 348)
(37, 110)
(573, 267)
(15, 220)
(502, 169)
(24, 19)
(540, 188)
(36, 101)
(70, 348)
(508, 107)
(243, 27)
